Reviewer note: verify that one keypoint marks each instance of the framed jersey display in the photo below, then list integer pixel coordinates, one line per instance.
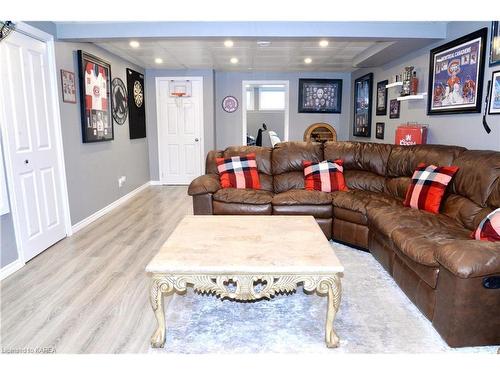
(95, 86)
(136, 111)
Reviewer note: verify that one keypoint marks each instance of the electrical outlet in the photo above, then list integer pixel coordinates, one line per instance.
(121, 181)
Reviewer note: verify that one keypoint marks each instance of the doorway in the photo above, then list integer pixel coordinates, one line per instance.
(265, 110)
(32, 140)
(180, 129)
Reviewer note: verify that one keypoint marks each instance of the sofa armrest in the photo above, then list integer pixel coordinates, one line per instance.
(207, 183)
(470, 258)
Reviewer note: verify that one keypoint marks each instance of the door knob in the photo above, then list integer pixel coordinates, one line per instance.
(26, 161)
(196, 139)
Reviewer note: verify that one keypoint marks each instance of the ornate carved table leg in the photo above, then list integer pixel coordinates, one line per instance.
(160, 286)
(332, 286)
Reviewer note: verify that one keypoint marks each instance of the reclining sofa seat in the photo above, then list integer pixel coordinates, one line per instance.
(431, 257)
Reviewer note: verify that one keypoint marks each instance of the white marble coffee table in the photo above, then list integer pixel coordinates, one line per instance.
(245, 258)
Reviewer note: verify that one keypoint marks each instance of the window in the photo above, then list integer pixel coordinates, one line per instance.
(250, 99)
(271, 98)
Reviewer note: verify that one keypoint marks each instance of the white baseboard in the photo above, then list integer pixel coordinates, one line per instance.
(156, 183)
(10, 268)
(87, 221)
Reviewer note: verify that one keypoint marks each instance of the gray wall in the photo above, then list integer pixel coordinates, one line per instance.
(229, 125)
(8, 248)
(275, 120)
(208, 109)
(93, 169)
(460, 129)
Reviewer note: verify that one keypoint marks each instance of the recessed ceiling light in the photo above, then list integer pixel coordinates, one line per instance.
(234, 60)
(263, 43)
(228, 43)
(158, 60)
(323, 43)
(308, 60)
(134, 44)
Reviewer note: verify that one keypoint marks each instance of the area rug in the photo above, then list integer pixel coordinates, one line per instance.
(375, 316)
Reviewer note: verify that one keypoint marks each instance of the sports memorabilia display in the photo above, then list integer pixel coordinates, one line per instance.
(68, 86)
(363, 106)
(136, 110)
(394, 108)
(456, 75)
(320, 95)
(381, 104)
(495, 44)
(494, 107)
(230, 104)
(120, 102)
(379, 130)
(95, 84)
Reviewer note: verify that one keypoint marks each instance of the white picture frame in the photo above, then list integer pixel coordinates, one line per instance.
(4, 198)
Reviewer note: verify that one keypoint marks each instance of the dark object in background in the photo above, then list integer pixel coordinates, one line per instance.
(136, 104)
(258, 141)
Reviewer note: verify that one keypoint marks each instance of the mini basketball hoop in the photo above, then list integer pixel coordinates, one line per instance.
(179, 94)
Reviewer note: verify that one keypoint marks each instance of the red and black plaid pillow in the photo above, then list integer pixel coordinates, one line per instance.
(428, 185)
(489, 228)
(238, 172)
(325, 176)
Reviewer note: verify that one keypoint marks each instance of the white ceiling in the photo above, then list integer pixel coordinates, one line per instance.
(284, 54)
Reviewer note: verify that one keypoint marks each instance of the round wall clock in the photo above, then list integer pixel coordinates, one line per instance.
(138, 94)
(230, 104)
(120, 102)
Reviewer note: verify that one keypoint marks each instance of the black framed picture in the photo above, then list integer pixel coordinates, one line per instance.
(320, 95)
(363, 88)
(379, 130)
(495, 44)
(494, 106)
(136, 98)
(381, 104)
(456, 71)
(95, 100)
(394, 108)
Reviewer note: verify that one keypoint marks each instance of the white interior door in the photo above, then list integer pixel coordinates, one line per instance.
(30, 142)
(180, 129)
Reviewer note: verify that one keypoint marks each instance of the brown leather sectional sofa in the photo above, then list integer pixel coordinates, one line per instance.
(448, 276)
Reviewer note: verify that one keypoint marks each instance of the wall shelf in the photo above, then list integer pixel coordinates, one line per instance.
(412, 97)
(394, 84)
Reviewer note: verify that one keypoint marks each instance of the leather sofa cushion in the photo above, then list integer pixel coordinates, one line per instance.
(288, 156)
(464, 211)
(397, 187)
(429, 274)
(207, 183)
(477, 183)
(245, 196)
(321, 211)
(302, 197)
(358, 200)
(288, 181)
(350, 216)
(223, 208)
(470, 258)
(363, 180)
(371, 157)
(210, 161)
(404, 159)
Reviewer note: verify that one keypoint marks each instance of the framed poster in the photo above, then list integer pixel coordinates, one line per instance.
(320, 95)
(456, 71)
(379, 130)
(95, 86)
(363, 88)
(494, 108)
(394, 108)
(136, 111)
(68, 86)
(495, 44)
(120, 102)
(381, 104)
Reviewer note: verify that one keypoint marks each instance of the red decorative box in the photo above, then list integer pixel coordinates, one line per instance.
(409, 135)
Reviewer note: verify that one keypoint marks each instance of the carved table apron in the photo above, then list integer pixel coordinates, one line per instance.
(244, 290)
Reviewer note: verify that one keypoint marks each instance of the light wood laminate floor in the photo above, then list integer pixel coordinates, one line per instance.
(89, 292)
